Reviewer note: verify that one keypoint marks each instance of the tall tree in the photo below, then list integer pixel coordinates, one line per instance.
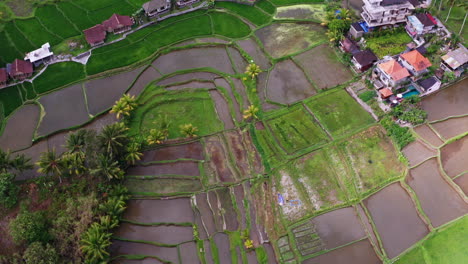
(113, 139)
(108, 168)
(50, 164)
(94, 244)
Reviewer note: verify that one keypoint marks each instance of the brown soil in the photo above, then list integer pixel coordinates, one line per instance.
(193, 150)
(227, 209)
(187, 77)
(455, 157)
(360, 252)
(416, 152)
(339, 227)
(218, 161)
(288, 84)
(148, 211)
(222, 109)
(143, 80)
(188, 253)
(448, 102)
(206, 213)
(188, 168)
(426, 133)
(208, 255)
(240, 63)
(133, 248)
(216, 209)
(251, 47)
(19, 130)
(451, 127)
(238, 191)
(240, 153)
(462, 181)
(439, 200)
(396, 219)
(222, 243)
(221, 82)
(160, 234)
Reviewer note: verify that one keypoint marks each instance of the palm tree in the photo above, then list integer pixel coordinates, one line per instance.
(251, 111)
(156, 136)
(50, 163)
(21, 163)
(106, 167)
(188, 130)
(76, 141)
(114, 207)
(124, 106)
(253, 70)
(94, 244)
(133, 153)
(5, 160)
(113, 138)
(74, 162)
(108, 223)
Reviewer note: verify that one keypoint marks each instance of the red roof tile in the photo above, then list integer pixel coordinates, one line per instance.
(19, 67)
(385, 92)
(117, 21)
(3, 75)
(415, 59)
(95, 34)
(394, 69)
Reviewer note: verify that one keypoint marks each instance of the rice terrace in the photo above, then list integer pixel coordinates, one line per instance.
(231, 131)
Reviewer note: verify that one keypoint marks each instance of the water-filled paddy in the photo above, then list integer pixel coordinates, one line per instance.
(188, 168)
(222, 109)
(193, 150)
(188, 253)
(454, 157)
(166, 186)
(359, 252)
(206, 213)
(133, 248)
(451, 127)
(222, 243)
(175, 211)
(417, 152)
(187, 77)
(462, 181)
(143, 80)
(239, 62)
(19, 130)
(252, 48)
(218, 161)
(427, 134)
(448, 102)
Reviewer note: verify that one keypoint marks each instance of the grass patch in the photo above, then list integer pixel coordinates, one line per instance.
(444, 246)
(250, 13)
(77, 16)
(10, 98)
(120, 7)
(293, 2)
(228, 25)
(180, 107)
(93, 4)
(36, 32)
(54, 20)
(314, 12)
(295, 129)
(162, 186)
(367, 95)
(29, 92)
(390, 44)
(373, 157)
(266, 6)
(339, 112)
(8, 52)
(17, 38)
(58, 75)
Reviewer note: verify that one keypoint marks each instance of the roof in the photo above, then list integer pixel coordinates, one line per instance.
(428, 83)
(394, 69)
(414, 2)
(349, 45)
(95, 34)
(425, 19)
(357, 27)
(422, 49)
(117, 21)
(153, 5)
(416, 59)
(39, 54)
(385, 92)
(3, 75)
(456, 58)
(365, 57)
(21, 67)
(393, 2)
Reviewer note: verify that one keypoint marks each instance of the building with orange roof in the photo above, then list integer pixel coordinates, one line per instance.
(392, 73)
(415, 62)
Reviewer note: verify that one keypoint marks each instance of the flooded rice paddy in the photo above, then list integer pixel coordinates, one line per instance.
(249, 46)
(358, 252)
(417, 152)
(454, 157)
(462, 182)
(169, 235)
(19, 130)
(193, 150)
(426, 133)
(177, 210)
(187, 168)
(451, 127)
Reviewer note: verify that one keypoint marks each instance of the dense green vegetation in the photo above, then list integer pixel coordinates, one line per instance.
(55, 22)
(401, 135)
(293, 2)
(78, 16)
(388, 42)
(58, 75)
(228, 26)
(10, 99)
(367, 95)
(35, 32)
(266, 6)
(251, 13)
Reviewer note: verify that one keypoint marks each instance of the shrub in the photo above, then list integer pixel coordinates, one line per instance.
(367, 95)
(29, 227)
(37, 253)
(8, 190)
(401, 135)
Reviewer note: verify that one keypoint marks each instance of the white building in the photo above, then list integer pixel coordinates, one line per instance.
(386, 12)
(40, 55)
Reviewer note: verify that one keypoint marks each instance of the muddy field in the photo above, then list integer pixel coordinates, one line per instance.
(222, 109)
(178, 78)
(119, 248)
(287, 83)
(454, 157)
(448, 102)
(281, 39)
(252, 48)
(239, 62)
(359, 252)
(396, 219)
(451, 127)
(175, 211)
(169, 235)
(163, 186)
(19, 130)
(462, 181)
(187, 168)
(143, 80)
(193, 150)
(417, 152)
(439, 200)
(425, 132)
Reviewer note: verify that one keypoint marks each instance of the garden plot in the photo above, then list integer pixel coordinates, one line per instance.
(396, 219)
(189, 151)
(454, 157)
(19, 130)
(388, 45)
(417, 152)
(358, 252)
(323, 67)
(439, 200)
(426, 133)
(207, 57)
(451, 127)
(257, 55)
(282, 39)
(186, 168)
(218, 168)
(177, 210)
(307, 240)
(245, 154)
(101, 94)
(188, 253)
(462, 181)
(447, 103)
(288, 84)
(373, 157)
(338, 112)
(162, 186)
(63, 109)
(122, 248)
(295, 130)
(314, 12)
(148, 75)
(284, 249)
(239, 62)
(162, 234)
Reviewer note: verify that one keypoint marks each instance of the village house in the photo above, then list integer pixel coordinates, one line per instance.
(416, 63)
(95, 35)
(182, 3)
(385, 93)
(39, 56)
(3, 77)
(455, 61)
(118, 24)
(358, 29)
(348, 46)
(391, 73)
(386, 12)
(156, 7)
(363, 60)
(20, 69)
(420, 24)
(429, 85)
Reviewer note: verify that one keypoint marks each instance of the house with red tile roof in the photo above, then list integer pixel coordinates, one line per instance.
(3, 77)
(415, 62)
(392, 73)
(95, 35)
(20, 69)
(118, 24)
